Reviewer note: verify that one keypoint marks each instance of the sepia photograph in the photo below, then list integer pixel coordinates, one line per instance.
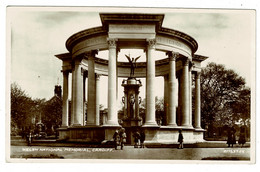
(130, 84)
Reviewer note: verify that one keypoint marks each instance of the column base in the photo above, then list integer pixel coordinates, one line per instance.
(150, 124)
(187, 126)
(199, 129)
(90, 123)
(172, 125)
(76, 125)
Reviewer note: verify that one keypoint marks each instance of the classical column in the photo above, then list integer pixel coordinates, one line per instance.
(190, 95)
(77, 94)
(117, 100)
(91, 107)
(65, 102)
(172, 89)
(97, 100)
(185, 98)
(150, 89)
(197, 101)
(166, 98)
(112, 80)
(85, 75)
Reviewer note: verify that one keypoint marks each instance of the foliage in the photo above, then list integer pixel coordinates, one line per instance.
(52, 113)
(26, 112)
(241, 108)
(222, 94)
(21, 106)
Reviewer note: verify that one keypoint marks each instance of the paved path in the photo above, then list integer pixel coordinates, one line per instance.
(131, 153)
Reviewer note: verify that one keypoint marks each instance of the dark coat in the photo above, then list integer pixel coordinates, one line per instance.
(136, 136)
(142, 137)
(231, 138)
(242, 138)
(116, 138)
(180, 138)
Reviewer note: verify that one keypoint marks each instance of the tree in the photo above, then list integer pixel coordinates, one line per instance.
(52, 114)
(241, 107)
(21, 105)
(220, 88)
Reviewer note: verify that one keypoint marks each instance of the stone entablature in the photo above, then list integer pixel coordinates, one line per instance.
(101, 66)
(135, 28)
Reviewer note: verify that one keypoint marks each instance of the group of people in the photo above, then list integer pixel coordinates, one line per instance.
(119, 138)
(139, 138)
(231, 137)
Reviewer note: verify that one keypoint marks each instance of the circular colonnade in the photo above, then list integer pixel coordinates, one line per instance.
(131, 31)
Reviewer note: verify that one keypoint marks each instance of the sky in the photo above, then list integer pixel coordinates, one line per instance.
(37, 34)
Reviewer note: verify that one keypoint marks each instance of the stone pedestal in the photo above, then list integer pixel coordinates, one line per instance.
(131, 100)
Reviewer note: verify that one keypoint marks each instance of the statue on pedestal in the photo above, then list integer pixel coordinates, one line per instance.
(133, 64)
(132, 102)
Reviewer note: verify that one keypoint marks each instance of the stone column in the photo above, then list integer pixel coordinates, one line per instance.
(112, 80)
(77, 94)
(197, 114)
(150, 89)
(97, 121)
(91, 107)
(166, 98)
(172, 89)
(190, 95)
(85, 75)
(185, 99)
(65, 102)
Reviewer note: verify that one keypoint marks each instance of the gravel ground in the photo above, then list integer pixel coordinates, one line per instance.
(130, 153)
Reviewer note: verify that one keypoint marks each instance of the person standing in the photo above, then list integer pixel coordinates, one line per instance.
(231, 140)
(136, 136)
(234, 137)
(29, 139)
(242, 137)
(229, 137)
(180, 140)
(142, 139)
(116, 138)
(122, 138)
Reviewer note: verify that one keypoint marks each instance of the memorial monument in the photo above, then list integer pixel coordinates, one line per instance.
(131, 100)
(135, 31)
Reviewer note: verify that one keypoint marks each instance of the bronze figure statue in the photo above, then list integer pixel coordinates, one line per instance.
(133, 64)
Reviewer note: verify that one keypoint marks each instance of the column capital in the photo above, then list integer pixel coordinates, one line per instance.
(112, 42)
(198, 74)
(82, 71)
(97, 76)
(173, 56)
(65, 72)
(151, 43)
(85, 74)
(91, 54)
(186, 62)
